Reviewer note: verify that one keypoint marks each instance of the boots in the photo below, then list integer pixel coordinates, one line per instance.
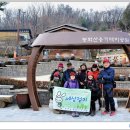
(93, 113)
(87, 114)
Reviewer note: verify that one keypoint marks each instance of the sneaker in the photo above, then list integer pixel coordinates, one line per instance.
(105, 112)
(92, 113)
(73, 114)
(112, 113)
(77, 114)
(87, 114)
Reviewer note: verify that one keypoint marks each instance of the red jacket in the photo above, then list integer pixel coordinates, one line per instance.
(95, 74)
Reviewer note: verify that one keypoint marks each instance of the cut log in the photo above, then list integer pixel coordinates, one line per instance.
(2, 104)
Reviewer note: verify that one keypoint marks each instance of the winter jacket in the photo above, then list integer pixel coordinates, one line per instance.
(66, 75)
(82, 77)
(92, 85)
(71, 84)
(52, 75)
(95, 74)
(57, 81)
(106, 77)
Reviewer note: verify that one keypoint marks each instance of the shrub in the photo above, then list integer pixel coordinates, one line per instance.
(10, 55)
(22, 84)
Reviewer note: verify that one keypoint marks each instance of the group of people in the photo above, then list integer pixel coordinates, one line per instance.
(99, 82)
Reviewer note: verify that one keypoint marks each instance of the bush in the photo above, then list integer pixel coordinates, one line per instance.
(10, 55)
(18, 84)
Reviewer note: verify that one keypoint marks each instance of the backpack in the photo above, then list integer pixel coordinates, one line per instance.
(114, 84)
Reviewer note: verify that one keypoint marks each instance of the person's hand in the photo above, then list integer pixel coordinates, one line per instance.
(81, 83)
(52, 81)
(104, 76)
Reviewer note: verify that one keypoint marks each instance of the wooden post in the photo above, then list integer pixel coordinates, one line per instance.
(127, 50)
(31, 77)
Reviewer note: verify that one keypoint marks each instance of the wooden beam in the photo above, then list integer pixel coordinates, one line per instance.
(127, 50)
(31, 77)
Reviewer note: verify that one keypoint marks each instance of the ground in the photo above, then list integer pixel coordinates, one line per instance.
(13, 113)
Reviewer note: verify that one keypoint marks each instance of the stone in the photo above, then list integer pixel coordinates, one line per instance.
(2, 104)
(6, 98)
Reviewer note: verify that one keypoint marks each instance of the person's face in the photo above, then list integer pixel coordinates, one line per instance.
(60, 68)
(69, 67)
(90, 77)
(106, 64)
(94, 69)
(72, 77)
(83, 67)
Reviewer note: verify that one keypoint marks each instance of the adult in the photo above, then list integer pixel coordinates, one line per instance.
(96, 72)
(66, 74)
(81, 76)
(56, 78)
(106, 77)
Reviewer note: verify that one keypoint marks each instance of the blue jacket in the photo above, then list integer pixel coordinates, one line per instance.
(106, 77)
(66, 74)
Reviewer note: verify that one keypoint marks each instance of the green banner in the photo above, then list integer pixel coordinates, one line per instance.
(71, 99)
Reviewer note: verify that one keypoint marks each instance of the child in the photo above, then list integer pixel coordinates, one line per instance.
(96, 72)
(91, 84)
(72, 83)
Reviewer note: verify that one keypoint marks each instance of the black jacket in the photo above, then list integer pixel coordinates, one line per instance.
(82, 77)
(92, 85)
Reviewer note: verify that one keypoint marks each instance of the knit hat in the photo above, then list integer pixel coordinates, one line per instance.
(61, 65)
(56, 74)
(106, 60)
(90, 73)
(72, 74)
(94, 66)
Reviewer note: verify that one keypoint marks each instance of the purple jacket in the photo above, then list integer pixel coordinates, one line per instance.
(71, 84)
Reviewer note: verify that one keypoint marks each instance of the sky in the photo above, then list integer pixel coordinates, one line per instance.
(86, 5)
(96, 6)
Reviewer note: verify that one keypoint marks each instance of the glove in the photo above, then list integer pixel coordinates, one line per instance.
(104, 77)
(101, 81)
